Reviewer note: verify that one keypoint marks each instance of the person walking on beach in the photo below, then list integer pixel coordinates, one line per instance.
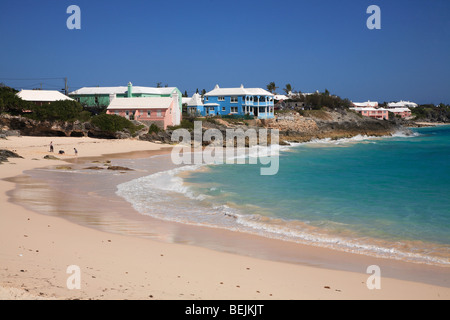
(76, 151)
(51, 146)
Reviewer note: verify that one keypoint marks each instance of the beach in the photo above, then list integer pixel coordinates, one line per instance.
(36, 251)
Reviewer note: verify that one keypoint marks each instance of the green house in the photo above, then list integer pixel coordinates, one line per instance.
(102, 96)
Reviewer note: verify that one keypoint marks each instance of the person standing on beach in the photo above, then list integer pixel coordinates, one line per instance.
(51, 146)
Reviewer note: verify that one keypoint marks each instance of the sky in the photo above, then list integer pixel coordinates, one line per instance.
(312, 45)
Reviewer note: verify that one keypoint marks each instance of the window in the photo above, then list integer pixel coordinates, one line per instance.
(234, 109)
(149, 113)
(206, 98)
(224, 109)
(234, 99)
(96, 100)
(158, 114)
(221, 99)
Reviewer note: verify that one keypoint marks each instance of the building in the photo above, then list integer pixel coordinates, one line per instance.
(402, 112)
(102, 96)
(41, 97)
(376, 113)
(240, 101)
(368, 104)
(402, 104)
(162, 111)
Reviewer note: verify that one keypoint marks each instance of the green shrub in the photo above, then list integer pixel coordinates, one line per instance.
(112, 123)
(84, 116)
(185, 124)
(153, 129)
(63, 110)
(10, 103)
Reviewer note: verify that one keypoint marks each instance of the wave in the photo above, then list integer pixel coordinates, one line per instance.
(165, 195)
(358, 138)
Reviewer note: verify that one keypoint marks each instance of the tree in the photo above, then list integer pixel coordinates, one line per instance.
(272, 87)
(185, 95)
(288, 88)
(63, 110)
(10, 103)
(159, 84)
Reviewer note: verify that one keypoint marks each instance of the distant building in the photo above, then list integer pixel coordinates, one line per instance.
(376, 113)
(41, 97)
(102, 96)
(402, 112)
(402, 104)
(368, 104)
(162, 111)
(240, 101)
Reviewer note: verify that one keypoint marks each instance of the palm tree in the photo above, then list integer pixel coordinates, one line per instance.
(288, 88)
(272, 87)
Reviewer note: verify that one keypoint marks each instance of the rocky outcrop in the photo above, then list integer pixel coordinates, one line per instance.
(6, 154)
(329, 124)
(28, 127)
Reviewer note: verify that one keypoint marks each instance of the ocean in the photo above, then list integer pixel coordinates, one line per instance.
(385, 197)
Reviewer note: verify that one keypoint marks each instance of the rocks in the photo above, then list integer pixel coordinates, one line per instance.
(119, 168)
(49, 157)
(18, 125)
(5, 154)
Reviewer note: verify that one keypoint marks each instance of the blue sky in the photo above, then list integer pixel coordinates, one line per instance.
(312, 45)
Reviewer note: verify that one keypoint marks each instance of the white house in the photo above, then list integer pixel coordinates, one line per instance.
(402, 104)
(41, 97)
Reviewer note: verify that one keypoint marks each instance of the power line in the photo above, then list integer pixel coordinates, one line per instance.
(30, 79)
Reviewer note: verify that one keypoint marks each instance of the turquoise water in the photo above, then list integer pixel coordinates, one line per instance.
(380, 196)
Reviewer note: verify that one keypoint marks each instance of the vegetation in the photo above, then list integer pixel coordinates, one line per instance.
(10, 103)
(59, 111)
(272, 87)
(153, 129)
(187, 123)
(430, 112)
(319, 100)
(288, 88)
(113, 123)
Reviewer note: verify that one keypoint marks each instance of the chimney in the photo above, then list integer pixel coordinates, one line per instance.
(130, 90)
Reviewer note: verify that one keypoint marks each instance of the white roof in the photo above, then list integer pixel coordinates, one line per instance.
(281, 97)
(196, 100)
(399, 110)
(369, 109)
(122, 90)
(238, 92)
(185, 100)
(141, 103)
(42, 95)
(366, 104)
(402, 104)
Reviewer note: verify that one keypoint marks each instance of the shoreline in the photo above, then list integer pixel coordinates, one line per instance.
(287, 271)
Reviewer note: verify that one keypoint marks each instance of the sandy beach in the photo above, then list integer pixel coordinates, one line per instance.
(36, 251)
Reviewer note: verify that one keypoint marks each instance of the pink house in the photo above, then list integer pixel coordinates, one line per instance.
(162, 111)
(376, 113)
(402, 112)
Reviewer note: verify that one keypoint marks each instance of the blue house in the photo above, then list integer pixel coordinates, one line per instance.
(239, 101)
(196, 107)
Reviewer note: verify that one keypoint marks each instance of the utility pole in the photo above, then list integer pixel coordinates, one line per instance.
(66, 88)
